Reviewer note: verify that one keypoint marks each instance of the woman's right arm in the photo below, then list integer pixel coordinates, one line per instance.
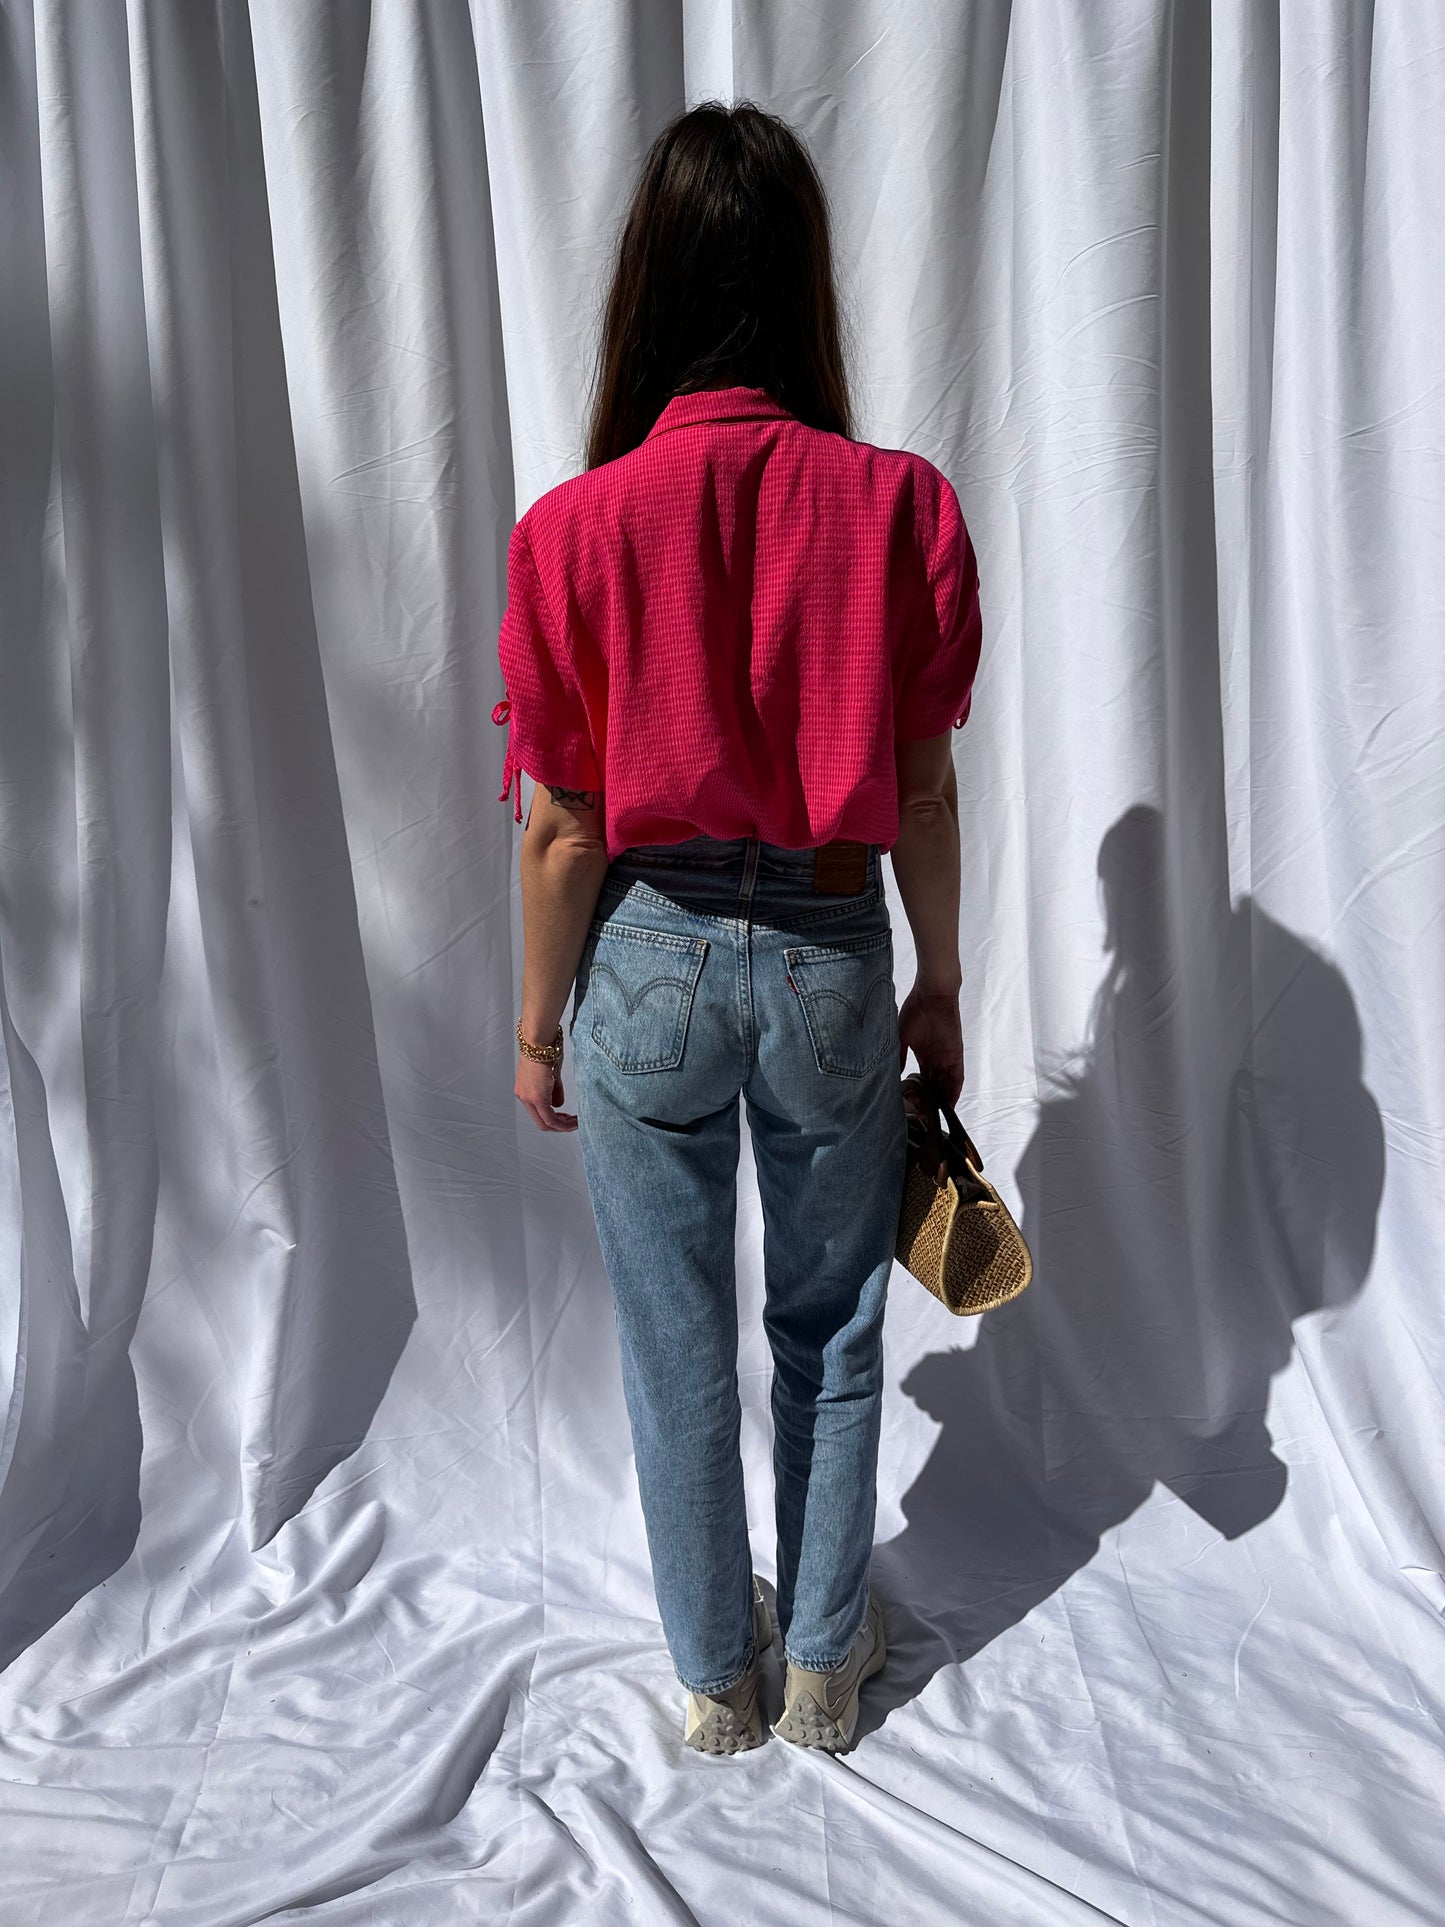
(926, 868)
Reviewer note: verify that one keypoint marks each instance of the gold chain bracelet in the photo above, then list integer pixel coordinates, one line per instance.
(544, 1053)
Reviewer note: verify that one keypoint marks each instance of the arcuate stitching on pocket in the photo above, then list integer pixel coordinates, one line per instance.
(647, 1005)
(848, 1018)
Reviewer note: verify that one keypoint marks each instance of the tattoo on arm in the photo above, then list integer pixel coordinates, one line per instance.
(572, 799)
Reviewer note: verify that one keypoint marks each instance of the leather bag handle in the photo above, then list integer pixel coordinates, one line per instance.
(956, 1148)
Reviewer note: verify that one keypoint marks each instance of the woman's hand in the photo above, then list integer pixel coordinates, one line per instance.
(539, 1087)
(929, 1024)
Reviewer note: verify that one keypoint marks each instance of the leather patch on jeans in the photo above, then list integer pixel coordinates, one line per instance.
(840, 868)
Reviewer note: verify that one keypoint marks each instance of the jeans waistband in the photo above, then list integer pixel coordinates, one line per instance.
(725, 856)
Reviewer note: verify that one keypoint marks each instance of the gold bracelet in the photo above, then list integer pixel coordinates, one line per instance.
(544, 1053)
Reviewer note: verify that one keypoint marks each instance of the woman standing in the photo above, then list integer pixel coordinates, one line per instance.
(735, 648)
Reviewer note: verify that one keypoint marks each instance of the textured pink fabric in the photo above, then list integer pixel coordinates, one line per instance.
(726, 629)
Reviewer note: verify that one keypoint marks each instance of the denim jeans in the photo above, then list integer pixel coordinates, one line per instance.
(713, 968)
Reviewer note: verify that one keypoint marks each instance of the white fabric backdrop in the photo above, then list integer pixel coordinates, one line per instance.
(325, 1590)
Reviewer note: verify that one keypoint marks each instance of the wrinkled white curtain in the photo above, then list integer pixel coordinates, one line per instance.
(324, 1592)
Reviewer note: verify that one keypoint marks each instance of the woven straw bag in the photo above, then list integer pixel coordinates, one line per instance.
(955, 1233)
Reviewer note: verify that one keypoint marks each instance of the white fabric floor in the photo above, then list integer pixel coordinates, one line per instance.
(325, 1590)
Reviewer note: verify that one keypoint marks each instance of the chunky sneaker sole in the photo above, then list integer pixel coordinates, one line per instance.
(732, 1722)
(821, 1709)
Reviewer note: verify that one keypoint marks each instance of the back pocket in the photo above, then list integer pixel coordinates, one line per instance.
(640, 988)
(846, 992)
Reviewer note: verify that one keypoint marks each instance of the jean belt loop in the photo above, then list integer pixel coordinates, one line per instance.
(750, 874)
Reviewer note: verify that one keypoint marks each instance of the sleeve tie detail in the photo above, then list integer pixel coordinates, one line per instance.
(502, 713)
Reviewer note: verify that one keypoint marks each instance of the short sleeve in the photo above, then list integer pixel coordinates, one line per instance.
(936, 691)
(545, 708)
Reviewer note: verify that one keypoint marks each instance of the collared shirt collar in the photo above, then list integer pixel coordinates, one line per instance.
(739, 403)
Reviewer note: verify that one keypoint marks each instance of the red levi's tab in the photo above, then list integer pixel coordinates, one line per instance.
(726, 630)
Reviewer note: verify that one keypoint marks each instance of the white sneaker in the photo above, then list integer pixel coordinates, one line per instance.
(821, 1709)
(732, 1721)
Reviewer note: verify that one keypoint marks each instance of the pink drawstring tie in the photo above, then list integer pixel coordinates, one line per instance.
(502, 713)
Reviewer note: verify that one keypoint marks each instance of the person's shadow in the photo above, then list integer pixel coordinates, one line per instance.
(1184, 1206)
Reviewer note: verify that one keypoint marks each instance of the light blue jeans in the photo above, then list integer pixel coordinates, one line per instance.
(712, 968)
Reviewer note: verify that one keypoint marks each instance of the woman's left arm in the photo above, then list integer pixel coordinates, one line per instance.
(564, 861)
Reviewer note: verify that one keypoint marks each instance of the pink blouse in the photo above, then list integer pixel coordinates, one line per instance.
(725, 630)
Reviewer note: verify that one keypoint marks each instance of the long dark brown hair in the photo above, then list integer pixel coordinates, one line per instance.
(723, 275)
